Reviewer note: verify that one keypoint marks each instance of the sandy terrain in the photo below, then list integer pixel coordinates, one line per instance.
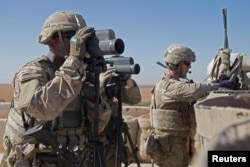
(146, 92)
(6, 91)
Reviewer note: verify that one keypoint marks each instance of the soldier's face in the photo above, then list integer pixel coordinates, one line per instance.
(61, 41)
(185, 66)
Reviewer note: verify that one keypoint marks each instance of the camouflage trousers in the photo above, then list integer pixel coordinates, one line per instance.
(167, 150)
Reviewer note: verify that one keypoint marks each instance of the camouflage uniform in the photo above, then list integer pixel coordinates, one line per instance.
(35, 85)
(53, 97)
(172, 113)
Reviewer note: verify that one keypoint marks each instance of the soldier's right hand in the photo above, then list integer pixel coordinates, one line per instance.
(105, 77)
(77, 42)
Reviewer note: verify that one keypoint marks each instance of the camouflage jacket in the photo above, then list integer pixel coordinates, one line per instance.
(172, 100)
(168, 90)
(42, 94)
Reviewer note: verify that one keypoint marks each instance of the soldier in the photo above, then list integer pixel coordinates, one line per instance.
(130, 95)
(131, 92)
(171, 110)
(53, 90)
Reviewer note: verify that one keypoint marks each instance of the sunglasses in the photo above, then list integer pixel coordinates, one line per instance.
(65, 34)
(187, 63)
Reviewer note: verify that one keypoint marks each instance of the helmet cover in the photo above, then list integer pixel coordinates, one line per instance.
(60, 21)
(177, 53)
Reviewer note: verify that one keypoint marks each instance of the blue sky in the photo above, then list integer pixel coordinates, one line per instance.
(146, 27)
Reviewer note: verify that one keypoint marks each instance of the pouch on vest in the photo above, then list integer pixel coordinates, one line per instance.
(152, 144)
(155, 147)
(69, 119)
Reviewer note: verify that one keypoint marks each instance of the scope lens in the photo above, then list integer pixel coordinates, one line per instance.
(119, 46)
(137, 69)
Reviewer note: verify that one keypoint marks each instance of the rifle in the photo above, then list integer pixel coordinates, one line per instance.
(224, 12)
(60, 155)
(159, 63)
(222, 69)
(221, 65)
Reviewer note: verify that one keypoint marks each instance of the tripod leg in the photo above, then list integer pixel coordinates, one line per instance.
(118, 148)
(126, 132)
(84, 154)
(100, 152)
(95, 150)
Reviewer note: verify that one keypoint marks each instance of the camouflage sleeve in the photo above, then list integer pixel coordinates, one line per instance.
(132, 94)
(46, 101)
(188, 92)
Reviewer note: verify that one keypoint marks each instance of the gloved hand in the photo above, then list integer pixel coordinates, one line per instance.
(104, 79)
(229, 83)
(77, 42)
(221, 78)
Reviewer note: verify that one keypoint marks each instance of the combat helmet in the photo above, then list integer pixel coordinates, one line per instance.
(59, 22)
(177, 53)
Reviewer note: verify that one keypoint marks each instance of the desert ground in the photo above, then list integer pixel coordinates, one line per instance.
(6, 91)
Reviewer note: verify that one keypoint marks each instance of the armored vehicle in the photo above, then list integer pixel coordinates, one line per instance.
(223, 117)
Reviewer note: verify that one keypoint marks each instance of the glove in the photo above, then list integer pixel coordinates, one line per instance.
(104, 79)
(230, 83)
(221, 79)
(77, 42)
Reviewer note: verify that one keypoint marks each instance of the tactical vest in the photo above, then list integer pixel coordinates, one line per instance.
(165, 119)
(172, 115)
(67, 128)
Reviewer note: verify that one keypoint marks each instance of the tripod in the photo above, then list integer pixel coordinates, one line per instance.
(95, 65)
(121, 132)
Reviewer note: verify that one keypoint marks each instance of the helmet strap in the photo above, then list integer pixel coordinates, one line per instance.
(65, 54)
(56, 52)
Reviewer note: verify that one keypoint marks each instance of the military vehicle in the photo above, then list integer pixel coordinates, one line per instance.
(223, 117)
